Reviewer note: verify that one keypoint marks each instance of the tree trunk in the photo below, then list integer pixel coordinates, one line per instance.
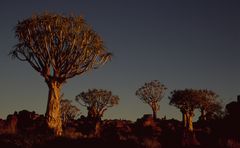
(154, 115)
(189, 138)
(53, 113)
(203, 115)
(190, 122)
(184, 119)
(154, 110)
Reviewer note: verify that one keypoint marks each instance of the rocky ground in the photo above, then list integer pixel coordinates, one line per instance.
(28, 129)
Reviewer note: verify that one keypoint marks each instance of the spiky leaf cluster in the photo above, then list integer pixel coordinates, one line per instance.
(151, 92)
(59, 46)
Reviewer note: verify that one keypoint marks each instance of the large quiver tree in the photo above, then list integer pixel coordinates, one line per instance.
(58, 47)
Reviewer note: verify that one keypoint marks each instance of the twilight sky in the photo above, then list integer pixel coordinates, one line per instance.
(183, 44)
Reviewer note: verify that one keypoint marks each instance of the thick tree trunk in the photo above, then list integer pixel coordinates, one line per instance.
(189, 138)
(53, 113)
(154, 110)
(92, 113)
(184, 119)
(189, 121)
(154, 114)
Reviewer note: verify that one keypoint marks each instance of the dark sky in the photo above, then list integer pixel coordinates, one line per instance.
(183, 44)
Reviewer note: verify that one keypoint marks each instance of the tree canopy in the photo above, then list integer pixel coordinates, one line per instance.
(185, 100)
(59, 46)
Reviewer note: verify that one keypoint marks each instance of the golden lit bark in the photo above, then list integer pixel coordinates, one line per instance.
(184, 119)
(190, 123)
(189, 117)
(53, 117)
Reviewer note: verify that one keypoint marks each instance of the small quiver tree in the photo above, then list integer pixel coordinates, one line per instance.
(209, 105)
(97, 101)
(152, 93)
(68, 111)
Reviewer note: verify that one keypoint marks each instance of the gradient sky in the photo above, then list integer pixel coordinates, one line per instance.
(183, 44)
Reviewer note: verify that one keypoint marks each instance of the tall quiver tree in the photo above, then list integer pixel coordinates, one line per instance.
(187, 101)
(58, 47)
(152, 93)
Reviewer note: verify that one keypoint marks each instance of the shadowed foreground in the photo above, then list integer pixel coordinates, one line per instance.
(28, 129)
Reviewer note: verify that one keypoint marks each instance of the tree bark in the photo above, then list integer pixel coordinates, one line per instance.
(154, 115)
(53, 113)
(189, 138)
(203, 115)
(184, 119)
(154, 110)
(190, 122)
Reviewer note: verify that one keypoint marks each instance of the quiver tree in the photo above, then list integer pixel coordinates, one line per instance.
(187, 101)
(209, 106)
(215, 111)
(68, 111)
(97, 101)
(58, 47)
(152, 93)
